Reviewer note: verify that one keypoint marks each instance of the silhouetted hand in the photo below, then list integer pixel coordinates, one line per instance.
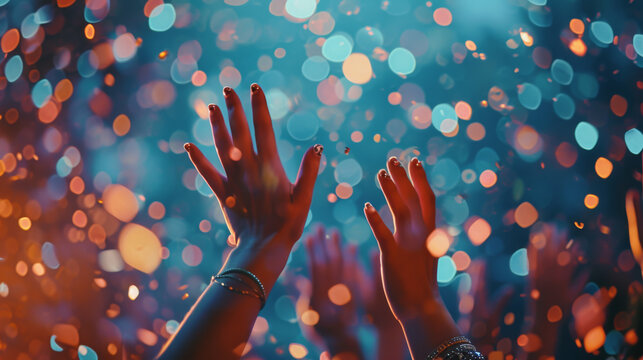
(553, 284)
(409, 271)
(263, 210)
(265, 214)
(485, 317)
(332, 270)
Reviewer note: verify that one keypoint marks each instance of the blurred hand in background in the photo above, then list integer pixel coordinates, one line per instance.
(554, 283)
(332, 308)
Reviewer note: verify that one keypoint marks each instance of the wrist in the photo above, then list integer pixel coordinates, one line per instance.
(265, 259)
(426, 332)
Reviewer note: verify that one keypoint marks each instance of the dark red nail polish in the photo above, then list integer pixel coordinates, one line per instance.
(227, 90)
(187, 147)
(395, 161)
(382, 173)
(318, 149)
(254, 88)
(211, 107)
(368, 205)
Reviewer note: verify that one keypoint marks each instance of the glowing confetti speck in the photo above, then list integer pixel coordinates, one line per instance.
(401, 61)
(54, 346)
(562, 72)
(634, 141)
(162, 17)
(518, 263)
(86, 353)
(637, 42)
(586, 135)
(337, 48)
(301, 9)
(446, 270)
(132, 292)
(602, 33)
(13, 68)
(529, 96)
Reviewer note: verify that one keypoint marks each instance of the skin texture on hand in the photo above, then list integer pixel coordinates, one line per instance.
(332, 269)
(409, 271)
(265, 214)
(553, 262)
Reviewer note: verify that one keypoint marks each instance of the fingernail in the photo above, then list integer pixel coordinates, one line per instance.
(416, 162)
(187, 147)
(368, 206)
(254, 88)
(211, 107)
(382, 173)
(395, 161)
(227, 90)
(318, 148)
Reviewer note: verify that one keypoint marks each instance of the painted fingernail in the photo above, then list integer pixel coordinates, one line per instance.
(187, 147)
(254, 88)
(227, 90)
(368, 206)
(318, 148)
(382, 173)
(416, 162)
(212, 107)
(395, 161)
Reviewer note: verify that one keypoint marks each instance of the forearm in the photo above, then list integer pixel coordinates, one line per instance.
(207, 326)
(391, 344)
(425, 333)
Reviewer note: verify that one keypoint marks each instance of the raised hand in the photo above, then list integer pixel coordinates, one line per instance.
(553, 263)
(265, 214)
(256, 197)
(483, 321)
(409, 271)
(332, 270)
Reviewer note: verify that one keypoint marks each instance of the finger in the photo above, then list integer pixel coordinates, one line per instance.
(320, 245)
(403, 184)
(309, 242)
(215, 180)
(222, 140)
(395, 202)
(424, 191)
(303, 191)
(378, 288)
(313, 264)
(633, 212)
(239, 125)
(264, 133)
(335, 259)
(350, 268)
(381, 232)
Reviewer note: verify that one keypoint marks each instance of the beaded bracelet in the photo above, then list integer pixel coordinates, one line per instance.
(239, 291)
(461, 352)
(261, 292)
(452, 343)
